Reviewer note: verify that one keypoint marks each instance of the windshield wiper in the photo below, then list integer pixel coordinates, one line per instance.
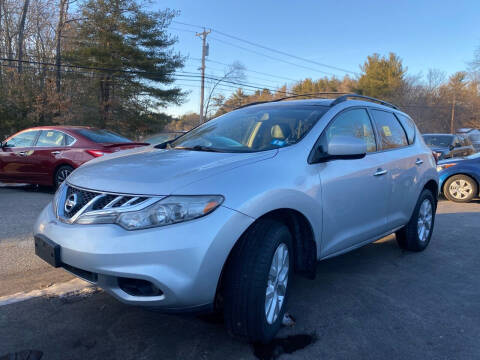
(198, 148)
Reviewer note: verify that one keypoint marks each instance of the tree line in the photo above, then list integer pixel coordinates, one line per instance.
(112, 64)
(105, 63)
(436, 102)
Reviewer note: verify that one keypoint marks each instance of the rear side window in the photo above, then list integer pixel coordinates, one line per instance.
(102, 136)
(50, 138)
(355, 122)
(390, 133)
(408, 126)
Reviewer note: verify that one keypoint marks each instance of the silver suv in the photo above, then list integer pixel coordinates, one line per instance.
(222, 217)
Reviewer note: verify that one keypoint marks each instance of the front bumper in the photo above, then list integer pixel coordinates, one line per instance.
(183, 260)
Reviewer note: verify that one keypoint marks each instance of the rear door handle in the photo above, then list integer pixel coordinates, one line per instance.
(380, 172)
(419, 162)
(55, 152)
(22, 153)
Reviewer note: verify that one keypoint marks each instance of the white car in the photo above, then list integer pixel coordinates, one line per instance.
(221, 217)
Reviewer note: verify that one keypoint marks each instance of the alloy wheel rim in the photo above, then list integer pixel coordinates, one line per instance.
(460, 189)
(62, 175)
(277, 283)
(425, 219)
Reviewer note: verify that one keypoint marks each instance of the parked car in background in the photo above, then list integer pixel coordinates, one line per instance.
(47, 155)
(160, 138)
(460, 178)
(447, 146)
(473, 135)
(222, 217)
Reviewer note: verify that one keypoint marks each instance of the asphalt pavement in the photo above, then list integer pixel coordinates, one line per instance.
(377, 302)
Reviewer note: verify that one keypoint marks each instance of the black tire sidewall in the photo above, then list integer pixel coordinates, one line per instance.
(446, 188)
(269, 330)
(421, 245)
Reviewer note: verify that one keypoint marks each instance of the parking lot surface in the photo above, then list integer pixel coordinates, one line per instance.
(377, 302)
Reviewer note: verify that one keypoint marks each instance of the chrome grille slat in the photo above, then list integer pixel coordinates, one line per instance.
(130, 201)
(113, 202)
(89, 202)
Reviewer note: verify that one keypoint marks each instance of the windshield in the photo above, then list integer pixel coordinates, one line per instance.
(438, 140)
(102, 136)
(252, 129)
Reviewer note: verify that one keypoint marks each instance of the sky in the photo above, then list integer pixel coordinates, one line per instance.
(426, 34)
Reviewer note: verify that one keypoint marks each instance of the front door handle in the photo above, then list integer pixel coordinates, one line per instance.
(55, 152)
(419, 162)
(22, 153)
(380, 172)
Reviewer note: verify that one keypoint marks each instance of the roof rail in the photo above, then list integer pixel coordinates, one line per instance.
(347, 96)
(290, 97)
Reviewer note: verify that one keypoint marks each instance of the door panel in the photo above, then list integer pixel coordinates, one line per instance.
(15, 164)
(354, 201)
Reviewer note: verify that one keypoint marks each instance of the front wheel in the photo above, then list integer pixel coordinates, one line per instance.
(415, 236)
(256, 281)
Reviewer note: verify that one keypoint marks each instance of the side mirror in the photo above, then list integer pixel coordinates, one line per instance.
(346, 147)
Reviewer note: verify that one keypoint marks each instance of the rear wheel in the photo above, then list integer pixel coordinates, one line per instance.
(61, 174)
(460, 188)
(415, 236)
(256, 282)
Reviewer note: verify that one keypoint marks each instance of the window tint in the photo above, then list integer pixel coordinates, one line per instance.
(390, 133)
(22, 140)
(102, 136)
(69, 140)
(408, 126)
(50, 138)
(355, 123)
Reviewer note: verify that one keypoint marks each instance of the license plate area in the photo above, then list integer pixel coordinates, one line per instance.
(47, 250)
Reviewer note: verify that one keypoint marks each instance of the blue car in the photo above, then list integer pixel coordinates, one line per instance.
(460, 177)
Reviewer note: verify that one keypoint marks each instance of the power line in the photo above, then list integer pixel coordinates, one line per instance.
(271, 57)
(284, 53)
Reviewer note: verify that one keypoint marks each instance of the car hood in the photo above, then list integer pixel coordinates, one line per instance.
(151, 171)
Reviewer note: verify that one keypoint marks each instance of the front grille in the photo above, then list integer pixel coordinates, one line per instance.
(76, 201)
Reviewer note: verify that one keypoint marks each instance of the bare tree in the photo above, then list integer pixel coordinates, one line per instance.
(235, 72)
(21, 35)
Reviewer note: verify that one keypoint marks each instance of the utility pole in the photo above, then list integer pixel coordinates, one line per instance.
(452, 119)
(203, 35)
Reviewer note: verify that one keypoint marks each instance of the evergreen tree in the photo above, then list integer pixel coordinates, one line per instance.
(131, 53)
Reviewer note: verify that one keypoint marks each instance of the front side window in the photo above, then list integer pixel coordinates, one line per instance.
(50, 138)
(390, 133)
(25, 139)
(252, 129)
(356, 123)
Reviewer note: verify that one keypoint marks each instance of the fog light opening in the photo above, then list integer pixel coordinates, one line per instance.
(138, 287)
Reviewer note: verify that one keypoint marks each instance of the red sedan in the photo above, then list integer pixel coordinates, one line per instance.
(47, 155)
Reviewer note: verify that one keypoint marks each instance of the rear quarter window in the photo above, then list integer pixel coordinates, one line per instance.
(408, 126)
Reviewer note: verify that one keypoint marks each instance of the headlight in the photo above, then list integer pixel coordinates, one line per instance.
(57, 196)
(170, 210)
(445, 166)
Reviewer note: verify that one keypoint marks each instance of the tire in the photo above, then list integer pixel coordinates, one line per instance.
(61, 174)
(411, 236)
(247, 277)
(460, 188)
